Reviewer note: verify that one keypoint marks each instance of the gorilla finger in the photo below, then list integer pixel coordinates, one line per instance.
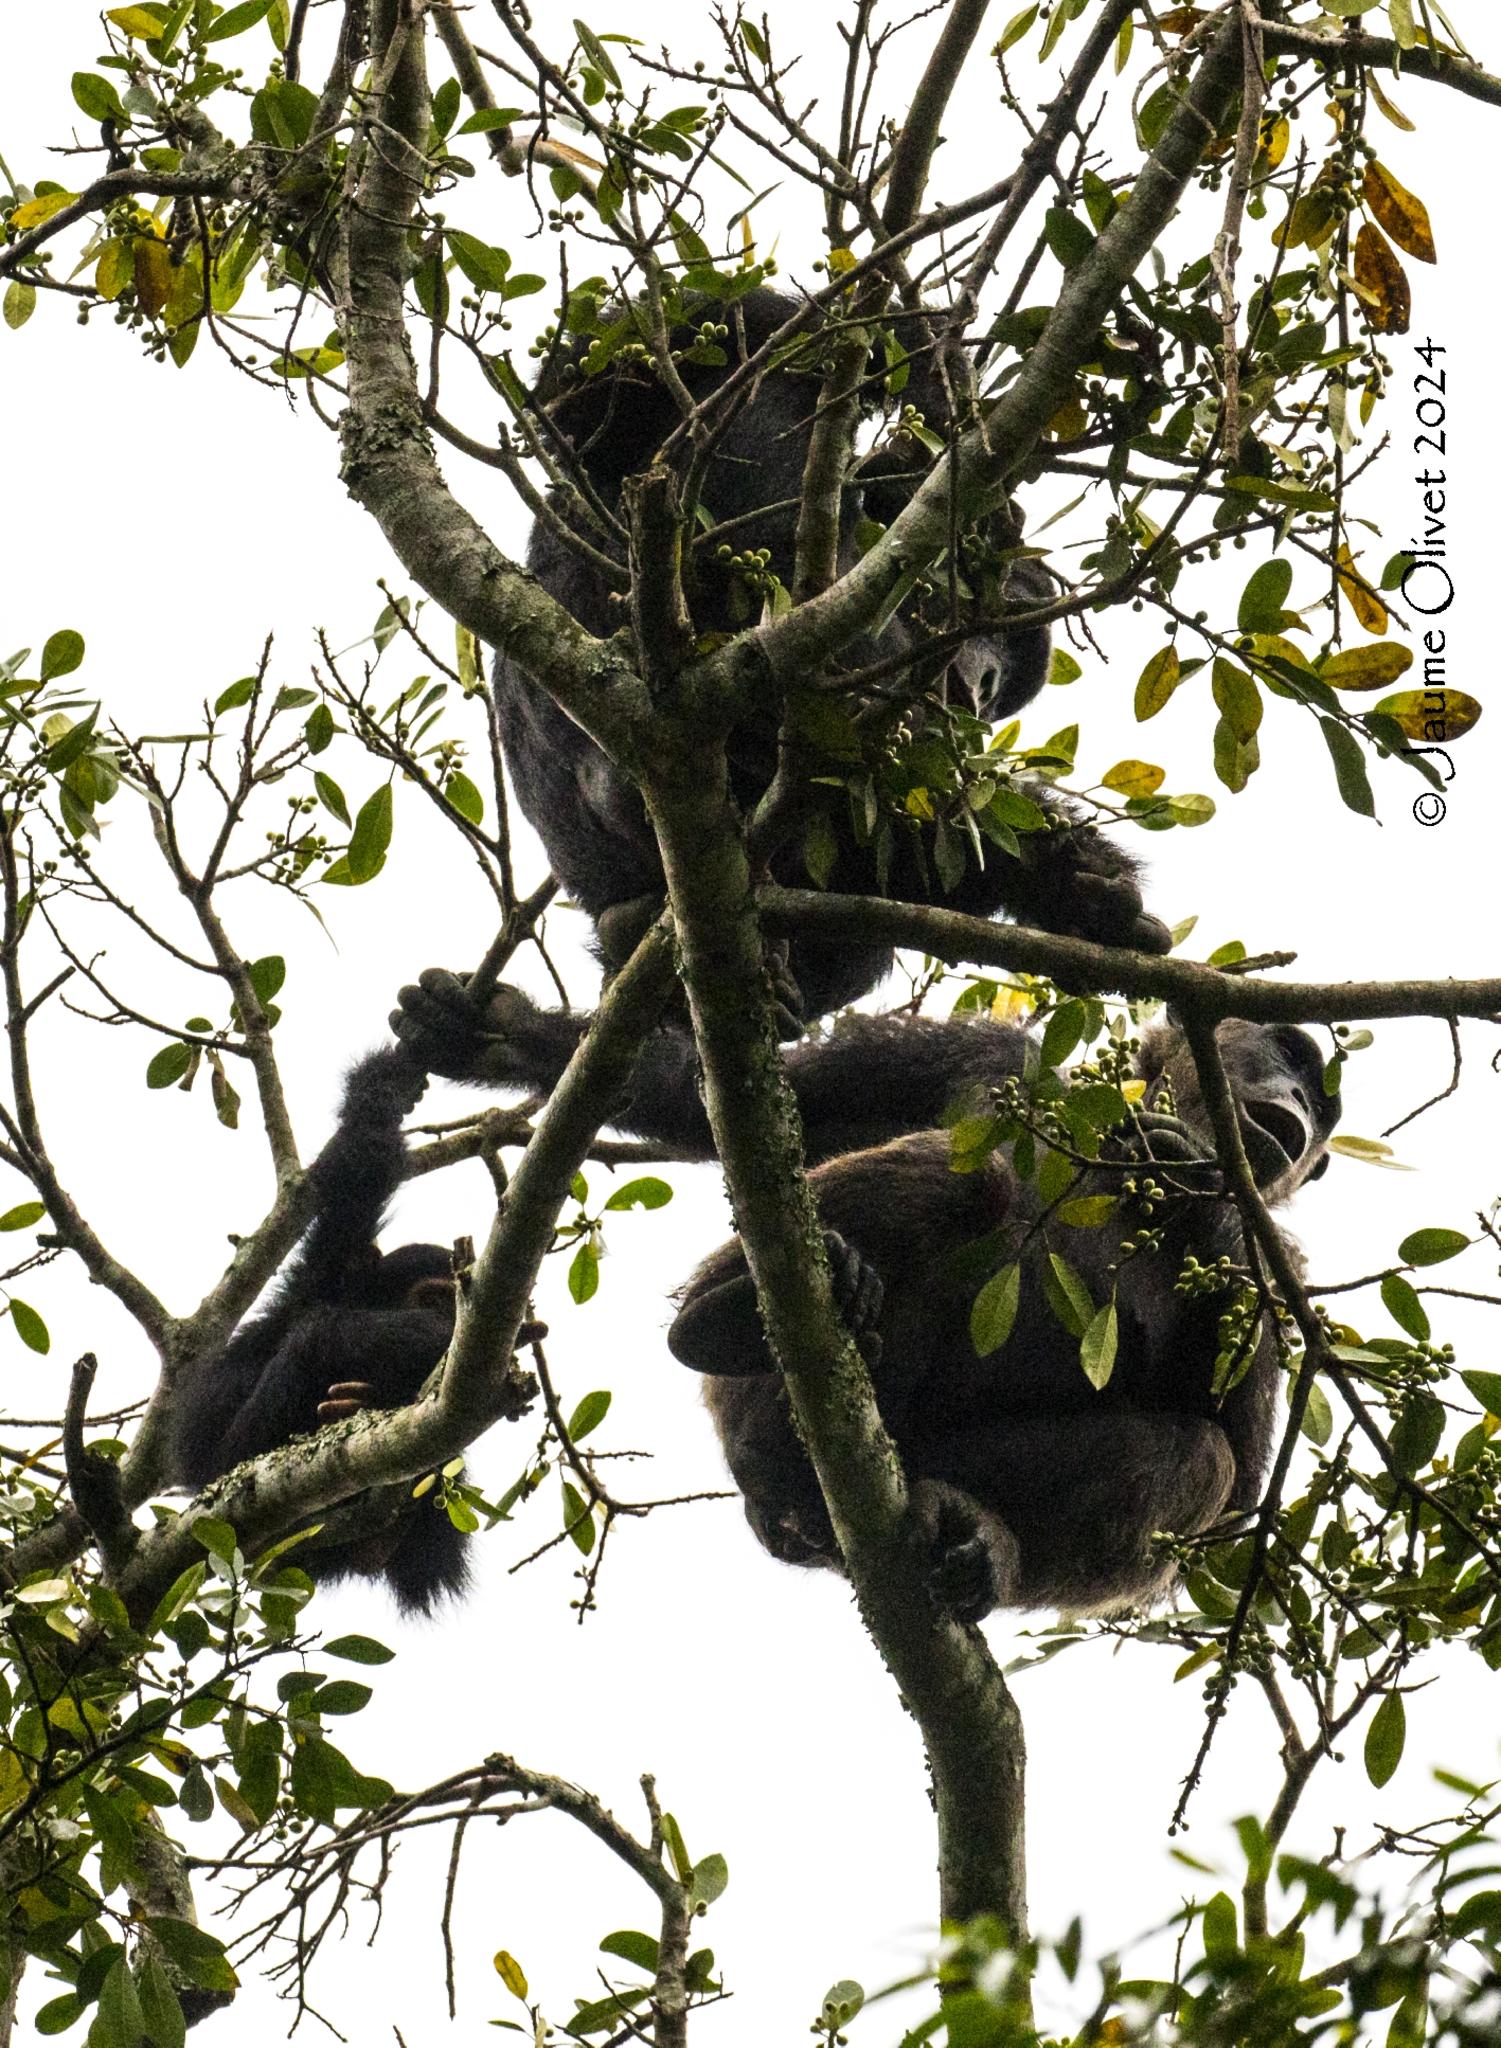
(530, 1333)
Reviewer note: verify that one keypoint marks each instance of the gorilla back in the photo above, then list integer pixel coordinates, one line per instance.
(1032, 1485)
(590, 817)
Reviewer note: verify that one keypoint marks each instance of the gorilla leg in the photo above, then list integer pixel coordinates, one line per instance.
(1083, 1494)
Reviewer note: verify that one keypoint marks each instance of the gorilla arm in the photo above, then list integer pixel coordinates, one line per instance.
(870, 1080)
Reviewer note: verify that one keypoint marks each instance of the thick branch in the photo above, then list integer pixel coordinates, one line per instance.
(913, 156)
(388, 461)
(1382, 54)
(970, 1725)
(950, 936)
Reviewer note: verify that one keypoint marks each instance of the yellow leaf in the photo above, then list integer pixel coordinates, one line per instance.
(1275, 136)
(1400, 212)
(1372, 667)
(1360, 597)
(1433, 716)
(510, 1973)
(1157, 682)
(1134, 1091)
(114, 270)
(1134, 778)
(1012, 1005)
(34, 211)
(136, 22)
(1382, 282)
(153, 275)
(1387, 104)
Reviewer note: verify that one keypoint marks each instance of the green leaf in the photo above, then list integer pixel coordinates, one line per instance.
(160, 2008)
(1097, 1347)
(319, 730)
(237, 694)
(589, 1414)
(58, 2014)
(1265, 596)
(1013, 32)
(217, 1537)
(1221, 1942)
(465, 798)
(993, 1315)
(235, 20)
(1384, 1739)
(340, 1696)
(23, 1216)
(358, 1650)
(583, 1272)
(1318, 1417)
(1486, 1387)
(62, 654)
(631, 1947)
(1431, 1247)
(331, 796)
(1063, 1032)
(371, 836)
(169, 1065)
(1067, 1295)
(489, 118)
(30, 1328)
(1400, 1299)
(97, 98)
(18, 306)
(595, 51)
(710, 1876)
(267, 976)
(646, 1193)
(1349, 767)
(485, 268)
(198, 1955)
(578, 1519)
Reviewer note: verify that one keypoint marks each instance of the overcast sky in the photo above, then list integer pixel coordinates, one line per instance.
(176, 519)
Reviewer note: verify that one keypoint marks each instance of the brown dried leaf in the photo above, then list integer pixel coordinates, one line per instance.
(1400, 212)
(1382, 282)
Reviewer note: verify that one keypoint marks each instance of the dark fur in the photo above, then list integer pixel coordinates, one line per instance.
(1033, 1488)
(868, 1080)
(342, 1313)
(587, 813)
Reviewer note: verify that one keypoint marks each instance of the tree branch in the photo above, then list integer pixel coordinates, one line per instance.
(951, 936)
(970, 1726)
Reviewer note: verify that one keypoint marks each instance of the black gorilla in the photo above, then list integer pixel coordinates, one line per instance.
(587, 813)
(349, 1328)
(1032, 1487)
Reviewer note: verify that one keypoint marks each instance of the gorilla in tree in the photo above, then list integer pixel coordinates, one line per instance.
(1035, 1486)
(609, 426)
(348, 1328)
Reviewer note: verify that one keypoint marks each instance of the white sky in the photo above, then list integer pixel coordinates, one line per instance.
(174, 519)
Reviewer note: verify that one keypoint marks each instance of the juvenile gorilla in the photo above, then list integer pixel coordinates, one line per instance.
(349, 1328)
(1032, 1487)
(588, 814)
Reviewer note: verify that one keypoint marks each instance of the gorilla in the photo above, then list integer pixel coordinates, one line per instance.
(348, 1328)
(1032, 1486)
(608, 424)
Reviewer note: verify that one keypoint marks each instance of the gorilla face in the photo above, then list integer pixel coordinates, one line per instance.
(1277, 1074)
